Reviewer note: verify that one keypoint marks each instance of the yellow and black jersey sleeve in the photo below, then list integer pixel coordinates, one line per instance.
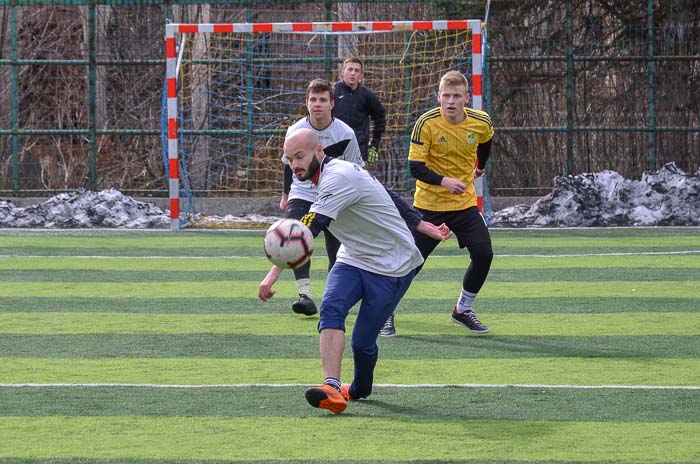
(307, 219)
(315, 222)
(417, 135)
(486, 133)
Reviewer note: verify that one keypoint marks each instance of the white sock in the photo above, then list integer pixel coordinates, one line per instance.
(333, 382)
(465, 301)
(304, 287)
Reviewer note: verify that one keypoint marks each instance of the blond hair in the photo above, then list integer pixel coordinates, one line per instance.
(453, 79)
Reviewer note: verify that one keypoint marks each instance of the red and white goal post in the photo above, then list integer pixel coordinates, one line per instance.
(231, 91)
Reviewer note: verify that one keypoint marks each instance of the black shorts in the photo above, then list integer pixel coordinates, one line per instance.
(467, 225)
(297, 208)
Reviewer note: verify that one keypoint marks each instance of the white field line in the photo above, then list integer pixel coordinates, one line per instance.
(392, 385)
(644, 253)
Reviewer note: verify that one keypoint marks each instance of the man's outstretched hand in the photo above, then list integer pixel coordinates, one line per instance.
(265, 290)
(441, 232)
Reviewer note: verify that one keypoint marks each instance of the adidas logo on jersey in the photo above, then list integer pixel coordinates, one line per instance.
(442, 139)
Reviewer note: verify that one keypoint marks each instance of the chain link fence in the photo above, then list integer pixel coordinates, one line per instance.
(572, 87)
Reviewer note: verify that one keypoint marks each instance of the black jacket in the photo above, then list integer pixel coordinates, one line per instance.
(355, 108)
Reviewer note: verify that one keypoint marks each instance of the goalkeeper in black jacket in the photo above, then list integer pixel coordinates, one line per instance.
(356, 105)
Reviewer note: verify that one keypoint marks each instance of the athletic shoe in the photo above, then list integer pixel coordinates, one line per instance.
(345, 391)
(388, 330)
(326, 397)
(304, 305)
(468, 319)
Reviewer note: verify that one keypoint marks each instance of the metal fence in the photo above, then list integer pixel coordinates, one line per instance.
(585, 86)
(572, 87)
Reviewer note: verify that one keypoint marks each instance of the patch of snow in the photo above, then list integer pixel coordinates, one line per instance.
(85, 209)
(667, 197)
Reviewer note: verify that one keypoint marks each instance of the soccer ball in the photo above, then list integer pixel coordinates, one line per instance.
(288, 243)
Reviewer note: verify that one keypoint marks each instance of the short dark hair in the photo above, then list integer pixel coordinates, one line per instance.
(319, 86)
(353, 59)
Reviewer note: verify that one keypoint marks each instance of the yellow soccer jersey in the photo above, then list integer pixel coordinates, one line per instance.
(449, 150)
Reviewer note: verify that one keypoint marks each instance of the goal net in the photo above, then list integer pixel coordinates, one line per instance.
(233, 89)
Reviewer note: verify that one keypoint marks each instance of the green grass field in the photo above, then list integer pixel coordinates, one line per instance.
(145, 347)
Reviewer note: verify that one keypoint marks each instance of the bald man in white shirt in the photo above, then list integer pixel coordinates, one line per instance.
(376, 263)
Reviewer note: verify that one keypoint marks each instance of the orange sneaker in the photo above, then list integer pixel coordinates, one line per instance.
(326, 397)
(345, 391)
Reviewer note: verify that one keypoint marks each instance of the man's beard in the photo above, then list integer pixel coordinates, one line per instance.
(311, 170)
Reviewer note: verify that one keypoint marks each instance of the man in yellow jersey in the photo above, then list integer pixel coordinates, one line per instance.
(445, 145)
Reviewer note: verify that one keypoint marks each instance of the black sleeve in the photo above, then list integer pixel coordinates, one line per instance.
(409, 214)
(483, 152)
(422, 173)
(316, 222)
(287, 179)
(377, 113)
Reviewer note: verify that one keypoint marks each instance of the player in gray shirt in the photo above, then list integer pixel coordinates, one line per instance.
(376, 263)
(338, 141)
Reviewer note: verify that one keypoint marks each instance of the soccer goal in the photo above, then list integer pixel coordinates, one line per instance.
(232, 90)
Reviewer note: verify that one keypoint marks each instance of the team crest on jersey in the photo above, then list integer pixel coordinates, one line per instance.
(442, 139)
(471, 138)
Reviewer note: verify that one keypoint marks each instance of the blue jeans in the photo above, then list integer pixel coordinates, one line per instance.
(345, 286)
